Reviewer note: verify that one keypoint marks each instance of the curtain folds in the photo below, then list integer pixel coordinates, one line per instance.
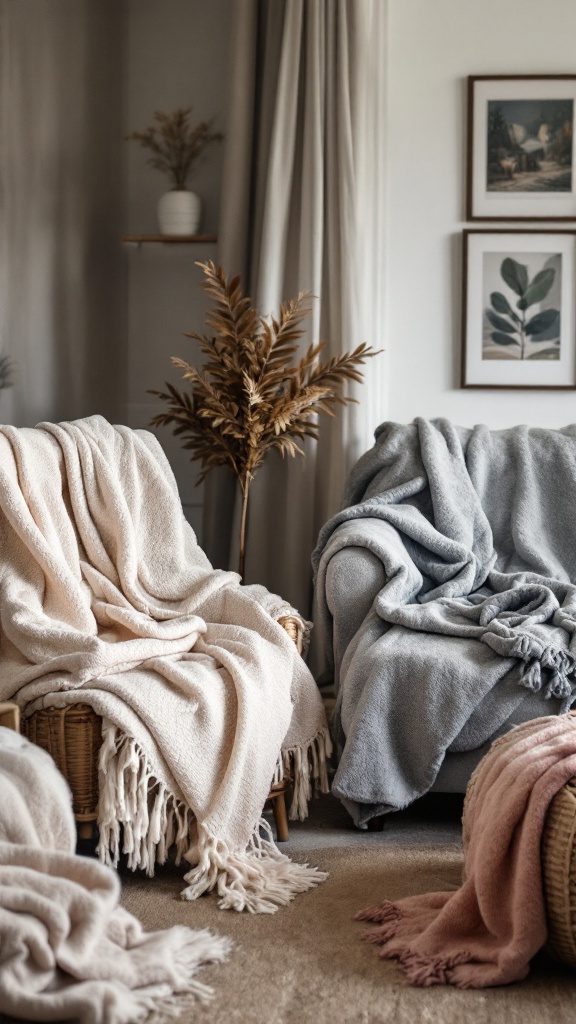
(302, 210)
(61, 268)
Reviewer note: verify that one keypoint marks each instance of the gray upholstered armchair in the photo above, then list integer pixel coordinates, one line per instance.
(445, 598)
(354, 578)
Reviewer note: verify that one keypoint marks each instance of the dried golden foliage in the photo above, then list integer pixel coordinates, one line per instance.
(6, 370)
(175, 145)
(249, 397)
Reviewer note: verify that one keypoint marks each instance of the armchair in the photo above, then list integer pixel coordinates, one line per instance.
(187, 696)
(354, 578)
(445, 597)
(73, 736)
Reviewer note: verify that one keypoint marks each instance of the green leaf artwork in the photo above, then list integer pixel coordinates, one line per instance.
(503, 339)
(514, 327)
(501, 305)
(500, 323)
(543, 322)
(515, 274)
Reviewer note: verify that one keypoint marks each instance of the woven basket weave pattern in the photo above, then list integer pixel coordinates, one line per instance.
(72, 735)
(559, 874)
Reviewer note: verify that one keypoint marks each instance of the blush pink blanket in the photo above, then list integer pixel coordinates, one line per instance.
(487, 932)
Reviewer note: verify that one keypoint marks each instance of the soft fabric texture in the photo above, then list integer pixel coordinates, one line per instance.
(488, 931)
(106, 598)
(476, 536)
(302, 209)
(67, 949)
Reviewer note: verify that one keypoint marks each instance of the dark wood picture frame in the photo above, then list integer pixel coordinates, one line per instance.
(540, 371)
(519, 158)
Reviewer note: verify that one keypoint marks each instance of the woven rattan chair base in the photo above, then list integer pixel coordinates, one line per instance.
(73, 736)
(559, 874)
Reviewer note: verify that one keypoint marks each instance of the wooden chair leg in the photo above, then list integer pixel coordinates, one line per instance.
(86, 829)
(280, 817)
(376, 824)
(10, 716)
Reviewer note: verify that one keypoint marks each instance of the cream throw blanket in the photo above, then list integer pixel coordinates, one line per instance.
(67, 949)
(106, 598)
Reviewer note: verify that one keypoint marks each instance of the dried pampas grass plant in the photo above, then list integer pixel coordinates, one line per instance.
(248, 397)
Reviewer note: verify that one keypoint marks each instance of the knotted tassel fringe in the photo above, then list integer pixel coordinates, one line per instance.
(562, 667)
(531, 677)
(259, 879)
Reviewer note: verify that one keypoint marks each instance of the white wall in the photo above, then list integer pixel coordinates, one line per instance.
(433, 46)
(176, 56)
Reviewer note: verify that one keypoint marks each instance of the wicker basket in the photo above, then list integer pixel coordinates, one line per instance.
(73, 736)
(559, 874)
(295, 630)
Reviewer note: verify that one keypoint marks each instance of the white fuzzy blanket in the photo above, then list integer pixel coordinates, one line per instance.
(106, 598)
(67, 949)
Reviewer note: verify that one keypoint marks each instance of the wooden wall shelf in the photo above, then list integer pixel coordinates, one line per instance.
(167, 239)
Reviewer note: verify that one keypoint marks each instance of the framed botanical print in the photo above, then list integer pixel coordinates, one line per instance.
(521, 147)
(519, 309)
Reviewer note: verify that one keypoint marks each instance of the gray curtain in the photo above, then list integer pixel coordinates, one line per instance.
(62, 298)
(302, 210)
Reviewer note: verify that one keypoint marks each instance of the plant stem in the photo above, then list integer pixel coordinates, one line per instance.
(522, 335)
(245, 492)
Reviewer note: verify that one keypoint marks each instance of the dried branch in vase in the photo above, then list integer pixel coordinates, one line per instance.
(249, 398)
(175, 145)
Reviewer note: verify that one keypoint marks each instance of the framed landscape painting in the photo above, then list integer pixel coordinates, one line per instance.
(521, 147)
(519, 309)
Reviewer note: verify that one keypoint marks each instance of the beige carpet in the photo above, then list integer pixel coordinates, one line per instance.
(306, 962)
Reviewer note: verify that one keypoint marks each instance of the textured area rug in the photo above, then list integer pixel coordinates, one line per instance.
(307, 962)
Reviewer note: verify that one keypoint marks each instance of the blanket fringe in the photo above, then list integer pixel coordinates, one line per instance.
(387, 915)
(385, 911)
(258, 880)
(193, 949)
(562, 672)
(190, 950)
(419, 969)
(429, 970)
(152, 818)
(307, 766)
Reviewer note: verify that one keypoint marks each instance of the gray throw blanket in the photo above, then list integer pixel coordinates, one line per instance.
(476, 532)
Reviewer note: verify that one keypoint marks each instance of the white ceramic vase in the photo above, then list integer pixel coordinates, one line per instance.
(179, 212)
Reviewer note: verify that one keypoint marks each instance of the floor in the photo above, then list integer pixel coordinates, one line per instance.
(434, 820)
